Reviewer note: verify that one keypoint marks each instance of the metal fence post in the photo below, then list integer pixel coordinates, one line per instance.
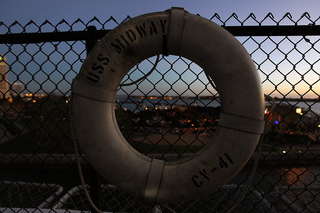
(95, 179)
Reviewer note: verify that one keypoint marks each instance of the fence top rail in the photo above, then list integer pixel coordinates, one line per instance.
(285, 30)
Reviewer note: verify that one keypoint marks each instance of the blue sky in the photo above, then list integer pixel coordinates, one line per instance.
(40, 10)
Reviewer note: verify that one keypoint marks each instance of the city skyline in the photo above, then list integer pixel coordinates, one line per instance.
(4, 86)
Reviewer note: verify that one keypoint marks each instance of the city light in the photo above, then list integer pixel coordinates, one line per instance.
(299, 111)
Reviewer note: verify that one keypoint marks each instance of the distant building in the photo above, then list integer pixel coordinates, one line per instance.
(16, 89)
(4, 84)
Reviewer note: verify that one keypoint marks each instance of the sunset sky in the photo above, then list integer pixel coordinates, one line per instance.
(54, 11)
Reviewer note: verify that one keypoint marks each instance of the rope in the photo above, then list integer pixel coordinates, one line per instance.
(162, 206)
(75, 142)
(211, 82)
(255, 165)
(145, 76)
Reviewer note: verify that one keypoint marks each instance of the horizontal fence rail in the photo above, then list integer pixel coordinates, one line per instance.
(171, 114)
(17, 38)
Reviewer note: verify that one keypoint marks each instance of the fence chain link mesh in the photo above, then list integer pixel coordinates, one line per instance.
(169, 115)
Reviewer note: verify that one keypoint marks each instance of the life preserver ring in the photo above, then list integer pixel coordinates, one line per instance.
(221, 56)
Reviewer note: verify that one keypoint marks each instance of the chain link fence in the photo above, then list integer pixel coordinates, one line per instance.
(169, 115)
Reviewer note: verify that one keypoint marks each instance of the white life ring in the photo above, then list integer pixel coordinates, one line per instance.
(221, 56)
